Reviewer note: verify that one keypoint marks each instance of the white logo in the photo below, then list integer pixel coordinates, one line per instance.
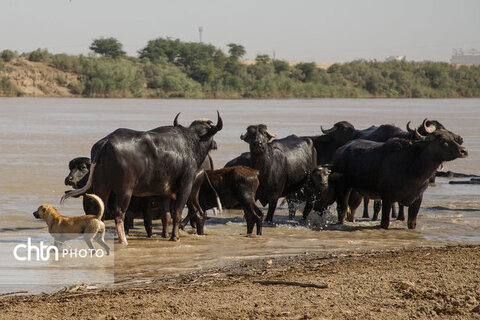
(42, 252)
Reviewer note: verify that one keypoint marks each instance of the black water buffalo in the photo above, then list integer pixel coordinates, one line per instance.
(283, 164)
(146, 208)
(333, 138)
(139, 207)
(394, 171)
(383, 133)
(315, 185)
(161, 162)
(235, 186)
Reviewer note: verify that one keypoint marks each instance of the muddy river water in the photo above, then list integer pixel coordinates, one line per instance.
(39, 136)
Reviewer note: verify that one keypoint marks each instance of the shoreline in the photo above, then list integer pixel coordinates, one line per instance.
(374, 284)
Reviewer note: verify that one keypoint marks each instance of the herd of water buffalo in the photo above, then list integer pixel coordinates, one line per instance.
(148, 174)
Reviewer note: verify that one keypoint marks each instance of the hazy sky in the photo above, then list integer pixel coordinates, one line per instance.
(301, 30)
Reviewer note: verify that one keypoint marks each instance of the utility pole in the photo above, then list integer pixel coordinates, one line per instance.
(200, 30)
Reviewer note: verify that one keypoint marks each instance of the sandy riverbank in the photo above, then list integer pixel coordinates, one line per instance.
(420, 283)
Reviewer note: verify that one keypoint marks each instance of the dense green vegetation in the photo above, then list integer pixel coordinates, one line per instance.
(171, 68)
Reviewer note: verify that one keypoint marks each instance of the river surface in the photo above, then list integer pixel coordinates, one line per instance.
(38, 137)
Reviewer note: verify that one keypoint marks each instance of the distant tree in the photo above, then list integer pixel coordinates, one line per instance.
(160, 49)
(280, 66)
(236, 51)
(262, 58)
(308, 69)
(108, 47)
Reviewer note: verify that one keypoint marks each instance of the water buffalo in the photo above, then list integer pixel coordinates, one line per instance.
(283, 164)
(235, 186)
(394, 171)
(383, 133)
(333, 138)
(146, 208)
(315, 185)
(161, 162)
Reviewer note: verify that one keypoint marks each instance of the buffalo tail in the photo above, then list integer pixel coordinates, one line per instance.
(219, 203)
(80, 191)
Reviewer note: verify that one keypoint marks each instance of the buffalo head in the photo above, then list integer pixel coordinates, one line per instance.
(79, 170)
(340, 133)
(204, 128)
(257, 136)
(442, 145)
(319, 177)
(430, 126)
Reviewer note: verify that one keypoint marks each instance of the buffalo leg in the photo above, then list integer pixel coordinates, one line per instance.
(165, 216)
(259, 218)
(200, 221)
(185, 220)
(394, 211)
(128, 223)
(365, 207)
(165, 208)
(354, 201)
(182, 197)
(342, 204)
(147, 219)
(308, 208)
(249, 219)
(377, 206)
(119, 208)
(251, 215)
(413, 212)
(120, 227)
(291, 208)
(386, 207)
(272, 205)
(401, 213)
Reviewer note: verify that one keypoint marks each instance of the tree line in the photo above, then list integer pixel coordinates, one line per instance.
(170, 68)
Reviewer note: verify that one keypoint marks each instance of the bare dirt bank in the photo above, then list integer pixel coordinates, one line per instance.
(420, 283)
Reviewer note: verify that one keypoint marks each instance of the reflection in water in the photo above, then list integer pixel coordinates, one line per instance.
(39, 136)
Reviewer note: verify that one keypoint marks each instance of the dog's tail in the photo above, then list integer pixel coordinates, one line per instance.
(101, 206)
(88, 185)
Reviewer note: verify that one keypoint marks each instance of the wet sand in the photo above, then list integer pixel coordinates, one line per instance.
(434, 282)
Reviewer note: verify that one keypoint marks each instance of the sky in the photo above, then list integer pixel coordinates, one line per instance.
(297, 30)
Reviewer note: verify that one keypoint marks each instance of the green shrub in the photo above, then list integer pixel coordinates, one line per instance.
(38, 55)
(61, 81)
(7, 55)
(76, 87)
(8, 88)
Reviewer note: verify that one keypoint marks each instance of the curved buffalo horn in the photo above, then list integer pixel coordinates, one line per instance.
(418, 135)
(408, 127)
(219, 125)
(429, 129)
(326, 131)
(175, 121)
(270, 135)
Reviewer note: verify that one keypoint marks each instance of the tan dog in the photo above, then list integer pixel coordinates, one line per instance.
(64, 228)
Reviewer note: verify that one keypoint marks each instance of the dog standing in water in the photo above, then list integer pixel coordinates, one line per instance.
(64, 228)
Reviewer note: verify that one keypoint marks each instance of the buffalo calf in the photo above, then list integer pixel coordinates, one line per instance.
(235, 186)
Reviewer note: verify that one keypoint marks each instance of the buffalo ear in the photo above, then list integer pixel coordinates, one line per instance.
(244, 136)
